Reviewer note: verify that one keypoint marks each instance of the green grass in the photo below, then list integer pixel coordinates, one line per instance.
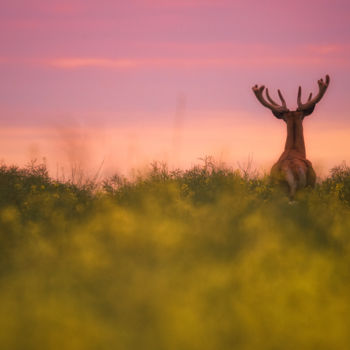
(208, 258)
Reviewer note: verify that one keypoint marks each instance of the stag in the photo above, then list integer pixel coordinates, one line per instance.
(292, 168)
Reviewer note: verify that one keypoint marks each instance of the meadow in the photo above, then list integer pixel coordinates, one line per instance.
(207, 258)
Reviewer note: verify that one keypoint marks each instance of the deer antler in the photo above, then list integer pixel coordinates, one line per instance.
(309, 106)
(277, 110)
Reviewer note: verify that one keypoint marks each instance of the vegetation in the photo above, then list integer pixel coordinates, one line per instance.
(209, 258)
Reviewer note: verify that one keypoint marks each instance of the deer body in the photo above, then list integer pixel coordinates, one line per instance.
(292, 168)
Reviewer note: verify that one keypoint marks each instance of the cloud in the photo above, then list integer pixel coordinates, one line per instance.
(221, 54)
(184, 3)
(82, 62)
(329, 49)
(201, 55)
(239, 62)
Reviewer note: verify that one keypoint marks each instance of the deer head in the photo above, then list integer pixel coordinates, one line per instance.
(281, 111)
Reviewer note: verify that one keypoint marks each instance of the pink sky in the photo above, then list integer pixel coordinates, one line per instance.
(144, 80)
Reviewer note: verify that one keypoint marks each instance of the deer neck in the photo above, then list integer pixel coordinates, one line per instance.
(295, 136)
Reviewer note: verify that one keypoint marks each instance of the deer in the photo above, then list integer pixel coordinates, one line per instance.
(293, 169)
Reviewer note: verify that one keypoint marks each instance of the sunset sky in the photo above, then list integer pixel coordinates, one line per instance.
(124, 83)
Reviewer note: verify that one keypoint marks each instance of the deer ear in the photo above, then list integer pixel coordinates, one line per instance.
(278, 115)
(308, 111)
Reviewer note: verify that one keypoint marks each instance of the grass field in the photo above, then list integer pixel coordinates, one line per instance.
(208, 258)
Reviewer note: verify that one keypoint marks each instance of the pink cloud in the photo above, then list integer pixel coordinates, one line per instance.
(329, 49)
(69, 63)
(184, 3)
(234, 62)
(201, 55)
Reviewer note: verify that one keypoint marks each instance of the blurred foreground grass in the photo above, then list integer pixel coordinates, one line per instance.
(209, 258)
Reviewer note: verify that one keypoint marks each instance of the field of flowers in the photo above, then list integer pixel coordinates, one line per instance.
(208, 258)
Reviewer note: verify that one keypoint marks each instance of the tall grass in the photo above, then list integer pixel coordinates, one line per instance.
(209, 258)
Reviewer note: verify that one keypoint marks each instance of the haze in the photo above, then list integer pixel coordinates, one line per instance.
(125, 83)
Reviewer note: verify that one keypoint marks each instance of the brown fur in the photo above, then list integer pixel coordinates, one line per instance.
(294, 174)
(293, 169)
